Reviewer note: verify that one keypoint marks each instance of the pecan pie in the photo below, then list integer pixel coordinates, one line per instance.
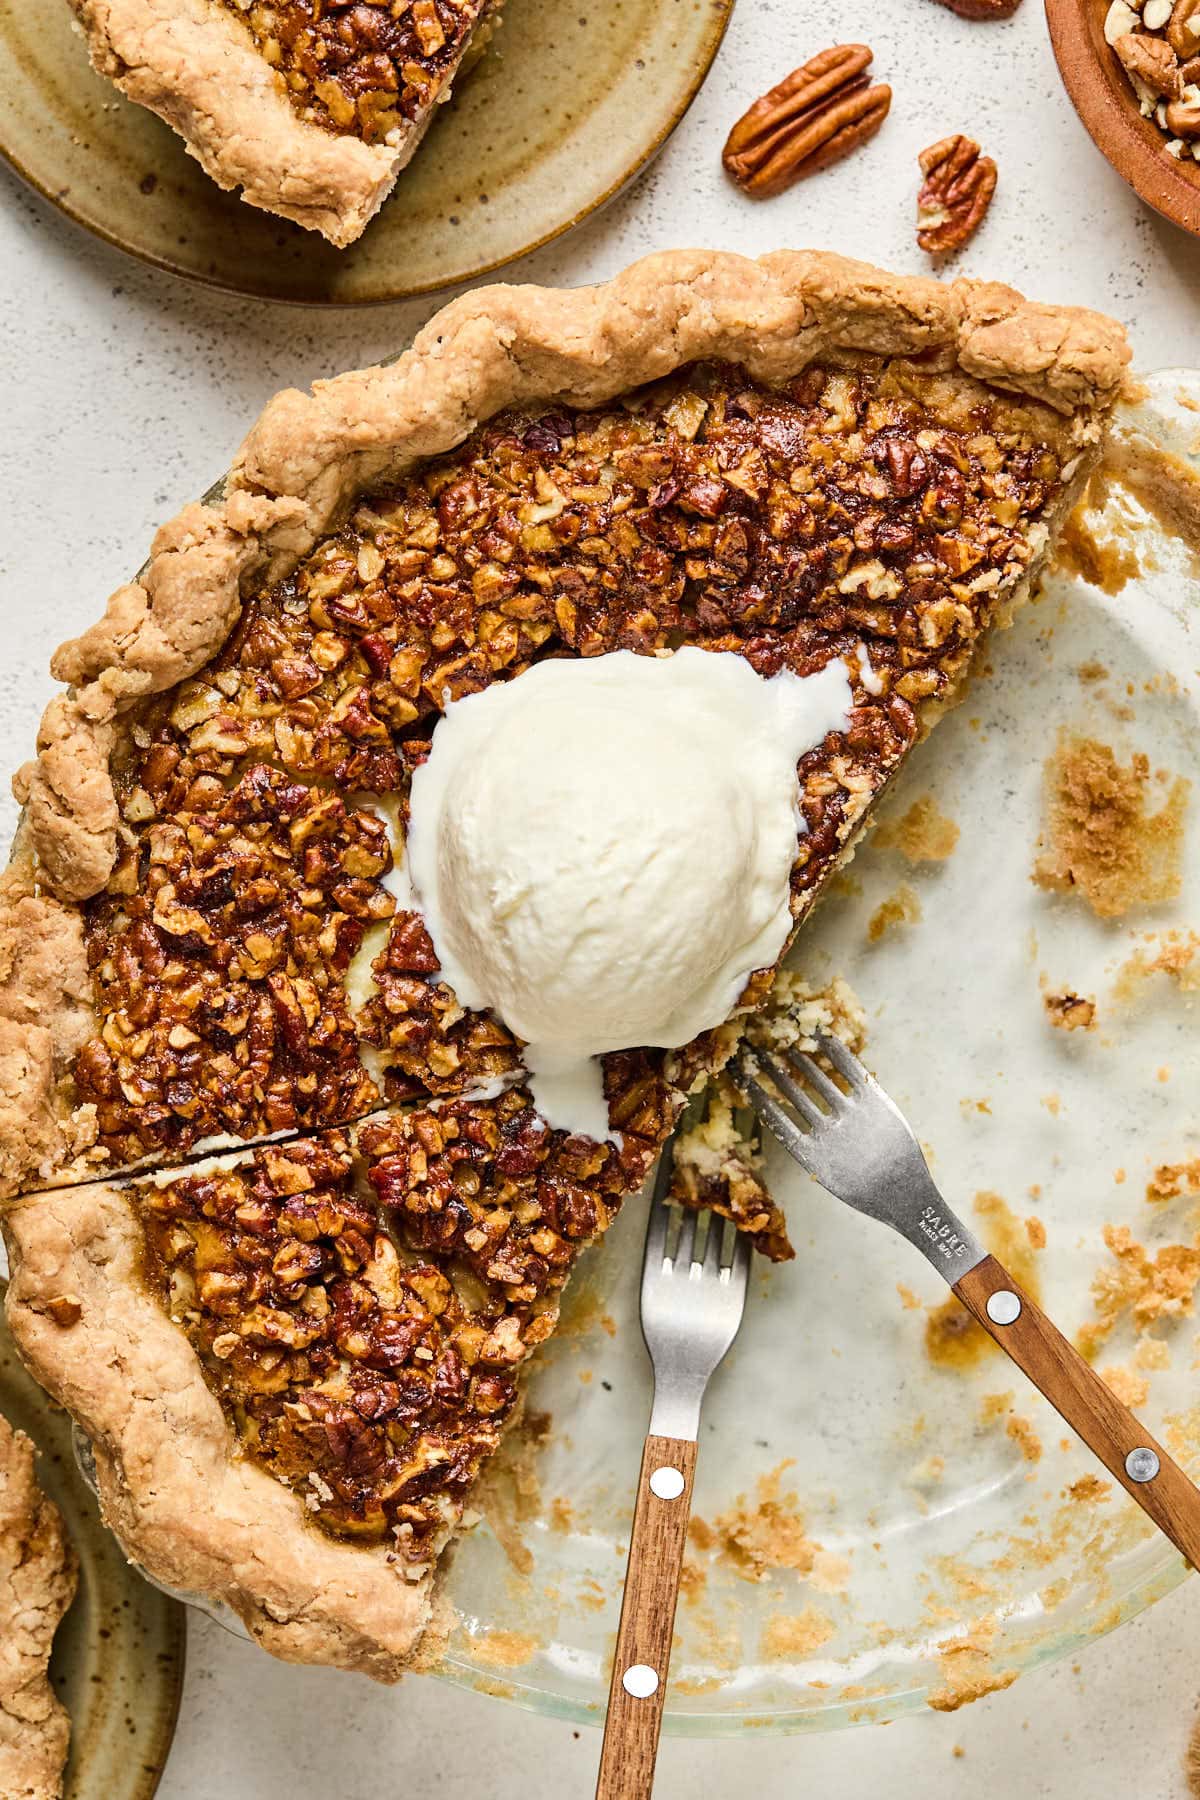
(37, 1584)
(286, 1223)
(310, 107)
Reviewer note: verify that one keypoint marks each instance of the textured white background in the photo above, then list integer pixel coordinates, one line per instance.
(125, 393)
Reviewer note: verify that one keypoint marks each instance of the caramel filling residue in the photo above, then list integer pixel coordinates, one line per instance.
(1104, 563)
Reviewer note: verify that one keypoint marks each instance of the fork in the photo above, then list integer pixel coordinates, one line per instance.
(857, 1143)
(692, 1303)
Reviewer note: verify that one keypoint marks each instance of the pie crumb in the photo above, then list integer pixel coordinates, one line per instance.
(1148, 1288)
(903, 908)
(1021, 1431)
(504, 1649)
(1088, 1487)
(796, 1634)
(766, 1533)
(1172, 1179)
(1100, 837)
(1070, 1012)
(968, 1673)
(1131, 1389)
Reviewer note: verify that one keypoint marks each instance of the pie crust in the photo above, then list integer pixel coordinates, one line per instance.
(37, 1585)
(187, 1503)
(196, 64)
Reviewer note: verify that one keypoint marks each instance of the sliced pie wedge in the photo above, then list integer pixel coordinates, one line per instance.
(311, 110)
(38, 1572)
(206, 933)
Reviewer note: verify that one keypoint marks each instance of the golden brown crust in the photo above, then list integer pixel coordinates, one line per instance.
(37, 1584)
(195, 64)
(45, 1017)
(192, 1512)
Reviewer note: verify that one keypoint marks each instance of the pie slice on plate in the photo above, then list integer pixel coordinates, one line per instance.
(311, 109)
(265, 1162)
(37, 1585)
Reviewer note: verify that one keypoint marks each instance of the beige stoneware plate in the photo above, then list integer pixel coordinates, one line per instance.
(119, 1655)
(572, 101)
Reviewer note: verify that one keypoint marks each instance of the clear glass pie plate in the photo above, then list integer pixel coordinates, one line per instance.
(886, 1518)
(882, 1528)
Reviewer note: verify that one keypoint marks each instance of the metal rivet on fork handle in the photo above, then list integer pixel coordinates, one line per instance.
(1003, 1307)
(1142, 1464)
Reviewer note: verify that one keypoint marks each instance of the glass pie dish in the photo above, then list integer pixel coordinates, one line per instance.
(886, 1515)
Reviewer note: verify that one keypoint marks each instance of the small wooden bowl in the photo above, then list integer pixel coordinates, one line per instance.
(1104, 100)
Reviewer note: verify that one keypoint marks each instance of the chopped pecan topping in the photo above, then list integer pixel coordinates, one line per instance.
(813, 117)
(955, 195)
(358, 66)
(430, 1045)
(365, 1336)
(219, 953)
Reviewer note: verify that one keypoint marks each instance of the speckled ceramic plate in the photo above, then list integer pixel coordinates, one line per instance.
(119, 1654)
(570, 102)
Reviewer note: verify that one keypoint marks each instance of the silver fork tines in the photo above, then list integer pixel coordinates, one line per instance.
(693, 1296)
(856, 1142)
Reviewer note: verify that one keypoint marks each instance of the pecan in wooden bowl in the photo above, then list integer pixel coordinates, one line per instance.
(1098, 81)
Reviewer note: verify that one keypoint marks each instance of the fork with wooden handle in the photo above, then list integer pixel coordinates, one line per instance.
(856, 1142)
(691, 1309)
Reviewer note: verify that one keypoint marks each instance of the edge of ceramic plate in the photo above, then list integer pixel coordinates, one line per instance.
(703, 64)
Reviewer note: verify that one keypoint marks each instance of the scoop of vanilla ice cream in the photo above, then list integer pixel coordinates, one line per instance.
(602, 850)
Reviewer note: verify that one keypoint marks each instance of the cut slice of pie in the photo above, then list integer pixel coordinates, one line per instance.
(37, 1584)
(310, 107)
(207, 936)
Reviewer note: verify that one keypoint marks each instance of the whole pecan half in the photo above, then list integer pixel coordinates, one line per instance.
(955, 195)
(1153, 61)
(813, 117)
(983, 9)
(1183, 28)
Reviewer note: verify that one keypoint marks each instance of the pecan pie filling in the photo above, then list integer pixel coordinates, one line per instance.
(218, 955)
(870, 511)
(361, 1303)
(358, 67)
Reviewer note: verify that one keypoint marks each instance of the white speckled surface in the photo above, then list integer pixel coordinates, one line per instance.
(124, 396)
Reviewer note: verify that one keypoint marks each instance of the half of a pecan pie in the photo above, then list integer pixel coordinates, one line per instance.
(310, 107)
(206, 935)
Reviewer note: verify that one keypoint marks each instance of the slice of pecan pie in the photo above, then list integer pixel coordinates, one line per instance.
(37, 1584)
(310, 107)
(207, 937)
